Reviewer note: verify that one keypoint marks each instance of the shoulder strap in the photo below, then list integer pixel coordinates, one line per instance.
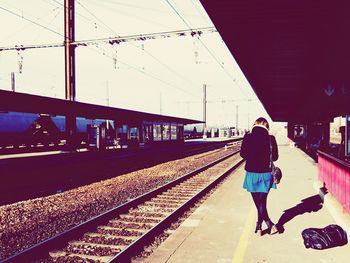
(271, 162)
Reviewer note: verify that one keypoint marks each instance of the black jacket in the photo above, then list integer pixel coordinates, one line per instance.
(255, 150)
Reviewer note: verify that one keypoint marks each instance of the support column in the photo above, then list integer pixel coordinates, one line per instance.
(69, 50)
(205, 111)
(237, 117)
(13, 81)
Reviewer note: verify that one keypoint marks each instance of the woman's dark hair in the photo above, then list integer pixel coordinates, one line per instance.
(262, 121)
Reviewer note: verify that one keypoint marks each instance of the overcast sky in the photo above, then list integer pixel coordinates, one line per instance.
(162, 75)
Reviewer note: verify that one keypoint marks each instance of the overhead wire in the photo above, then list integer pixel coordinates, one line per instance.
(115, 40)
(129, 5)
(53, 19)
(199, 12)
(130, 66)
(158, 60)
(55, 16)
(59, 44)
(174, 9)
(144, 72)
(94, 16)
(205, 46)
(173, 71)
(170, 69)
(128, 14)
(79, 14)
(20, 61)
(21, 29)
(31, 21)
(111, 30)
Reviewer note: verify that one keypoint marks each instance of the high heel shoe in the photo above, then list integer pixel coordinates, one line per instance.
(271, 228)
(258, 229)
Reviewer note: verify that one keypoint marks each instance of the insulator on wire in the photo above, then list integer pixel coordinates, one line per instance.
(20, 62)
(115, 60)
(195, 50)
(115, 63)
(95, 25)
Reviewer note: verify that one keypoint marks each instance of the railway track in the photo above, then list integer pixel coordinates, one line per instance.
(71, 170)
(123, 232)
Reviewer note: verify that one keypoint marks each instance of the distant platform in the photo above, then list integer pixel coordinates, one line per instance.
(214, 139)
(21, 155)
(48, 153)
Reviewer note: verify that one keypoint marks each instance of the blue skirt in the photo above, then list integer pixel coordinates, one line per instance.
(258, 182)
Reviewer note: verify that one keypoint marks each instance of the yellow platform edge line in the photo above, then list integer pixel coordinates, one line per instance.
(241, 247)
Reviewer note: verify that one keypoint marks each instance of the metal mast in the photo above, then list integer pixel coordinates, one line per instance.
(204, 111)
(69, 51)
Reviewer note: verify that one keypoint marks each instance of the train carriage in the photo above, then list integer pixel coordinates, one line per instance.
(41, 122)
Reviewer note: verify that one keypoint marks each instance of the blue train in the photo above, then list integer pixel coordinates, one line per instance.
(21, 132)
(29, 130)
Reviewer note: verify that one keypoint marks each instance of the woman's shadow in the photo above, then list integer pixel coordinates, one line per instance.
(310, 204)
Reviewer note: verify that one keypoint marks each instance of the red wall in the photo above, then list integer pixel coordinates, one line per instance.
(337, 180)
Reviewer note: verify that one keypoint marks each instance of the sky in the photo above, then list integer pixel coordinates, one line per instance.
(163, 75)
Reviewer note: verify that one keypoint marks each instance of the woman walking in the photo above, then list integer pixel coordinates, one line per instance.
(257, 149)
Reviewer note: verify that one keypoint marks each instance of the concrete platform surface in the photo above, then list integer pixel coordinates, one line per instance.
(221, 229)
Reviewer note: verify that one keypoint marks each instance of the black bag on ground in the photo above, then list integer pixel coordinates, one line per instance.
(323, 238)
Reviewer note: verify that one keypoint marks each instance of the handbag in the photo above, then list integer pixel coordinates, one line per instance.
(275, 171)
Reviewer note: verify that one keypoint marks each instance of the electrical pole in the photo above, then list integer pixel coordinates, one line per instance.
(107, 102)
(160, 103)
(205, 111)
(107, 93)
(69, 51)
(248, 126)
(237, 117)
(13, 82)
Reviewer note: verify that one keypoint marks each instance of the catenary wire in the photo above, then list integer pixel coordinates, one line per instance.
(53, 19)
(143, 72)
(31, 21)
(199, 11)
(94, 16)
(163, 64)
(135, 68)
(147, 52)
(58, 44)
(116, 40)
(206, 47)
(21, 29)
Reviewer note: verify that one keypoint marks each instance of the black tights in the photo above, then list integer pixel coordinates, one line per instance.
(260, 200)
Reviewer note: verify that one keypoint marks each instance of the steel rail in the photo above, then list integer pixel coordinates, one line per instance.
(137, 246)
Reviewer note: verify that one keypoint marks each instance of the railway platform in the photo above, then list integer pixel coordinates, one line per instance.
(221, 228)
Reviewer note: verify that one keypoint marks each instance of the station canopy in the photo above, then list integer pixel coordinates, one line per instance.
(295, 54)
(21, 102)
